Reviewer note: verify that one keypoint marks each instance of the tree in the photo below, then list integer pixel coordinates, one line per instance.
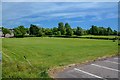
(54, 30)
(58, 33)
(88, 31)
(115, 32)
(119, 33)
(102, 30)
(48, 31)
(34, 29)
(20, 31)
(74, 31)
(5, 31)
(94, 30)
(85, 32)
(27, 30)
(105, 31)
(109, 31)
(40, 33)
(69, 31)
(79, 31)
(61, 28)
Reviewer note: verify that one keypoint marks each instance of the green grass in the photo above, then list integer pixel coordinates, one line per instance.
(97, 36)
(0, 70)
(46, 53)
(0, 57)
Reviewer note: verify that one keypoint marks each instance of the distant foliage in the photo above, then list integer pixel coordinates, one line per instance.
(79, 31)
(34, 30)
(58, 33)
(5, 31)
(61, 30)
(69, 31)
(20, 31)
(94, 30)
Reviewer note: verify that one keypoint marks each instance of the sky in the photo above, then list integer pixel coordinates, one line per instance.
(60, 0)
(49, 14)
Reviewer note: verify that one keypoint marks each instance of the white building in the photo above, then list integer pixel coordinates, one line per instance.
(10, 35)
(7, 35)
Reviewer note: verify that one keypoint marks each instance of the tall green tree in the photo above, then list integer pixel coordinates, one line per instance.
(79, 31)
(34, 30)
(69, 31)
(94, 30)
(109, 31)
(5, 31)
(61, 28)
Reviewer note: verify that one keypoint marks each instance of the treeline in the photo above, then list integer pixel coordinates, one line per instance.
(61, 30)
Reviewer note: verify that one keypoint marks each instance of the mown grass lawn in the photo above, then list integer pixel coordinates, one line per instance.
(99, 36)
(32, 57)
(0, 58)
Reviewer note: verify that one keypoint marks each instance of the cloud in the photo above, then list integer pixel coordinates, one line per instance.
(60, 0)
(75, 21)
(19, 10)
(26, 12)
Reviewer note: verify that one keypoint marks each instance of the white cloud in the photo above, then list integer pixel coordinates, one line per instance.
(19, 10)
(60, 0)
(32, 12)
(77, 21)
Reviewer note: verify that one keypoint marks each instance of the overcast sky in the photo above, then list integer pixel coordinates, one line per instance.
(48, 14)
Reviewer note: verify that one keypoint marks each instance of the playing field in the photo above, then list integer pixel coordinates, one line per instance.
(0, 58)
(32, 57)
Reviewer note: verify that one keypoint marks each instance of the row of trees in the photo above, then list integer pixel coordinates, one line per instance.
(94, 30)
(62, 29)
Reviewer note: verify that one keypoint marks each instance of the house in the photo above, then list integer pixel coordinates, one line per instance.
(7, 35)
(10, 35)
